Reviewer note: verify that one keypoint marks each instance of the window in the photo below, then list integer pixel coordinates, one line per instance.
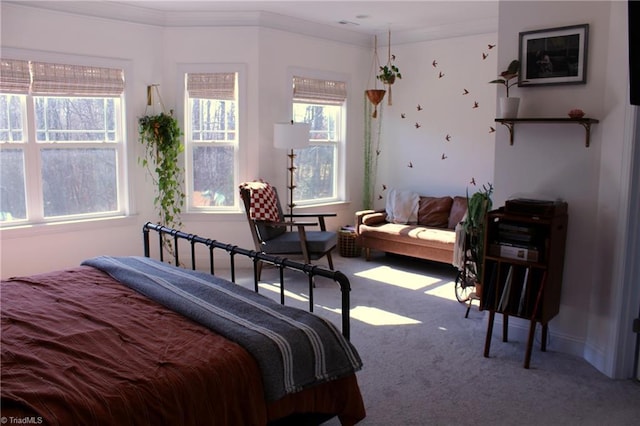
(212, 140)
(61, 143)
(321, 104)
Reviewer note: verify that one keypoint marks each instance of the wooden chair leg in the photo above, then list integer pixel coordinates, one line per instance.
(330, 260)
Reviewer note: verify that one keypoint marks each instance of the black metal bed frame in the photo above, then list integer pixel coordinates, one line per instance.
(279, 262)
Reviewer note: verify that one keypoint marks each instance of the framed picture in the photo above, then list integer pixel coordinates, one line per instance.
(554, 56)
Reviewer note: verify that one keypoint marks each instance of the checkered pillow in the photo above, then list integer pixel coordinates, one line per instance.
(263, 203)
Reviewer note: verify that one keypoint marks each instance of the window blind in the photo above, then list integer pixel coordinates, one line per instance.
(14, 76)
(212, 86)
(315, 90)
(76, 80)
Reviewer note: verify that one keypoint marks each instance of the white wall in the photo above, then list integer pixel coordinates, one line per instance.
(446, 110)
(154, 55)
(552, 161)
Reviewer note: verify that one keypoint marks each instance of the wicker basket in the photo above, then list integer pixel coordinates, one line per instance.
(348, 243)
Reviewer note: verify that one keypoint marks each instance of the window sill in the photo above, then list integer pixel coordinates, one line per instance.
(31, 230)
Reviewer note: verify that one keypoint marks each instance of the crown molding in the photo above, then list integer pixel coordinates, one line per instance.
(130, 13)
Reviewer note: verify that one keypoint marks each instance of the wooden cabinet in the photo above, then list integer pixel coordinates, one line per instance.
(523, 265)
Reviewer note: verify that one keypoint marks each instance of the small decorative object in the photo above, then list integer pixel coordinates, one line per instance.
(576, 113)
(554, 56)
(508, 78)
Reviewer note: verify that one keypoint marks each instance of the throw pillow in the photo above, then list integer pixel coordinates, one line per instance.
(434, 211)
(458, 210)
(374, 218)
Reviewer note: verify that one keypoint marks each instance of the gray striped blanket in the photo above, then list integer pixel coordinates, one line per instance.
(294, 348)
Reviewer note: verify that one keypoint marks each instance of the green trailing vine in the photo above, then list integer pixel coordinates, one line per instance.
(161, 136)
(371, 153)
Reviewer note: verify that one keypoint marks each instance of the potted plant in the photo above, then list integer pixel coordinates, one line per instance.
(508, 105)
(161, 136)
(477, 207)
(387, 74)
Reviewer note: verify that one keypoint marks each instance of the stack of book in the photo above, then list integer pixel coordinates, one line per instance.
(515, 242)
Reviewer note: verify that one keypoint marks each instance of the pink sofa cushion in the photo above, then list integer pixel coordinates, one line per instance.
(458, 210)
(434, 211)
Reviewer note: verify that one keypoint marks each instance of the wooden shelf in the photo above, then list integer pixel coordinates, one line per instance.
(509, 123)
(517, 287)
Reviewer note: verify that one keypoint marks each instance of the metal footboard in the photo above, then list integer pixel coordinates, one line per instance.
(232, 250)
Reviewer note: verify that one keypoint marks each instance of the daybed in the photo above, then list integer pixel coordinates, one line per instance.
(431, 236)
(115, 341)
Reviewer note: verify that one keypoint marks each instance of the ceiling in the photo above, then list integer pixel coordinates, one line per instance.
(348, 21)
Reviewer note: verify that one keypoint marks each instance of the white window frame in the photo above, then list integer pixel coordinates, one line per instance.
(240, 150)
(33, 178)
(341, 147)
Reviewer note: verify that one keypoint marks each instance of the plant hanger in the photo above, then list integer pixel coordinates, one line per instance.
(150, 89)
(375, 95)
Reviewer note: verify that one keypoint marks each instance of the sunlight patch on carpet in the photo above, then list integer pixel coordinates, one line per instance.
(375, 316)
(398, 278)
(446, 291)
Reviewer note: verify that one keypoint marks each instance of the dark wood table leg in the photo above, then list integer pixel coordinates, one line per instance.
(505, 327)
(545, 331)
(532, 332)
(487, 341)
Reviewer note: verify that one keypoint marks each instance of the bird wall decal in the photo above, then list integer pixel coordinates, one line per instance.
(491, 46)
(465, 92)
(484, 55)
(419, 107)
(473, 181)
(403, 115)
(491, 129)
(434, 63)
(418, 125)
(441, 74)
(410, 165)
(444, 157)
(475, 104)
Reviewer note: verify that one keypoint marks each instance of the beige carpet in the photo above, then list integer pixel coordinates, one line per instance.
(424, 364)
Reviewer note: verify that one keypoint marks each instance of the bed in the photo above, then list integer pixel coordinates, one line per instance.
(133, 340)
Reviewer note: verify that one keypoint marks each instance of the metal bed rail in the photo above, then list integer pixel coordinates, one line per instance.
(232, 250)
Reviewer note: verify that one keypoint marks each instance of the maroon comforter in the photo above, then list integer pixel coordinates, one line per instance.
(80, 348)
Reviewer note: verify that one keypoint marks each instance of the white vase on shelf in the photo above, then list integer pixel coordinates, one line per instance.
(509, 107)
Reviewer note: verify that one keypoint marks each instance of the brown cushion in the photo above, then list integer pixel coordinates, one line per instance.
(458, 210)
(374, 218)
(434, 211)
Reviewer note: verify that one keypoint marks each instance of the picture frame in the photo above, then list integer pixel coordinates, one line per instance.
(554, 56)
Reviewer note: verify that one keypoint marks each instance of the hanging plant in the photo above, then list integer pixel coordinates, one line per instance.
(389, 73)
(160, 134)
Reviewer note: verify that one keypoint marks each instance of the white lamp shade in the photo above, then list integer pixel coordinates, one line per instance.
(291, 135)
